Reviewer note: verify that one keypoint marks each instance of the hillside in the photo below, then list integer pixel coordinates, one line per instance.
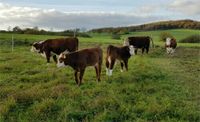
(157, 87)
(162, 25)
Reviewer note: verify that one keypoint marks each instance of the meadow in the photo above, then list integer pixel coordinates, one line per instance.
(157, 87)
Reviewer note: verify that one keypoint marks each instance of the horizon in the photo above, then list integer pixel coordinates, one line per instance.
(64, 15)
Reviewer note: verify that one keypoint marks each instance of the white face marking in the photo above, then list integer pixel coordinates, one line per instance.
(168, 41)
(33, 49)
(131, 50)
(61, 63)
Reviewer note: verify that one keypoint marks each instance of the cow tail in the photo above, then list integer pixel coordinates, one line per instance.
(101, 56)
(77, 42)
(108, 49)
(152, 42)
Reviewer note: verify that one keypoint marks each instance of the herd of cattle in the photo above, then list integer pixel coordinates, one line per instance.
(67, 49)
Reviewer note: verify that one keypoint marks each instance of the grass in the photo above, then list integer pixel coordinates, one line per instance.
(157, 87)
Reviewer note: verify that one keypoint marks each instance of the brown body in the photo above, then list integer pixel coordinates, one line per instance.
(79, 60)
(118, 53)
(55, 47)
(142, 42)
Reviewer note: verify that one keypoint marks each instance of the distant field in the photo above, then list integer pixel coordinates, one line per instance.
(157, 87)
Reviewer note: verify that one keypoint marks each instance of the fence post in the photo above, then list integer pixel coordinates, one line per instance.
(74, 32)
(12, 43)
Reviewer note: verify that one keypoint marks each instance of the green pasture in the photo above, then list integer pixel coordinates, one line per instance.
(157, 87)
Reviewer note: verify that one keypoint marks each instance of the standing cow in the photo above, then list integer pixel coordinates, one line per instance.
(170, 45)
(79, 60)
(118, 53)
(142, 42)
(54, 47)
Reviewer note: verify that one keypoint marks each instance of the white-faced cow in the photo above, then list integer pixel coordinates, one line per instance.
(142, 42)
(79, 60)
(53, 47)
(170, 45)
(120, 53)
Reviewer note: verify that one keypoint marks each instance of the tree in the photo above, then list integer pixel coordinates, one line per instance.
(165, 35)
(17, 29)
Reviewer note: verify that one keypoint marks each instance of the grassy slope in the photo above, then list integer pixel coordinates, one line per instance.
(156, 87)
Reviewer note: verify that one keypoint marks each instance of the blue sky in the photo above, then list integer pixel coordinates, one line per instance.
(69, 14)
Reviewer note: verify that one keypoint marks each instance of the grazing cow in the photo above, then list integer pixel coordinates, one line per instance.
(170, 45)
(79, 60)
(120, 53)
(54, 47)
(142, 42)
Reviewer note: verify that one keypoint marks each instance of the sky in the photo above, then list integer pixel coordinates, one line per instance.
(89, 14)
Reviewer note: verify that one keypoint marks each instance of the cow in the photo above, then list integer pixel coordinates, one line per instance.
(53, 47)
(142, 42)
(170, 45)
(118, 53)
(79, 60)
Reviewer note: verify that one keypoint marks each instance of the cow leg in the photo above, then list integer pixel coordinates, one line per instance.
(126, 64)
(48, 55)
(111, 66)
(97, 72)
(147, 50)
(55, 58)
(143, 50)
(99, 77)
(108, 61)
(76, 77)
(122, 66)
(81, 76)
(136, 51)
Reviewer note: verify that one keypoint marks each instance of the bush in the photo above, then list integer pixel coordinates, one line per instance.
(191, 39)
(165, 35)
(116, 36)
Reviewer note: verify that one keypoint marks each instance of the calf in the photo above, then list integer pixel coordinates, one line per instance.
(142, 42)
(170, 45)
(120, 53)
(79, 60)
(54, 47)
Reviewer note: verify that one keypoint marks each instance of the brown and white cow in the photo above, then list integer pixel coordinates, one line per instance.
(79, 60)
(170, 45)
(142, 42)
(118, 53)
(54, 47)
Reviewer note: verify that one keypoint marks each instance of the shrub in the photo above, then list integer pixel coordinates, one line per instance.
(191, 39)
(116, 36)
(164, 35)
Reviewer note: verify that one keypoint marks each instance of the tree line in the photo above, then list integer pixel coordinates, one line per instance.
(37, 31)
(162, 25)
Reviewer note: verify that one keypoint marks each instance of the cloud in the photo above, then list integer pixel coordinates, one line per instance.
(189, 7)
(51, 18)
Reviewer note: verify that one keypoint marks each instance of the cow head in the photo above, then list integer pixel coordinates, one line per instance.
(61, 60)
(37, 47)
(131, 50)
